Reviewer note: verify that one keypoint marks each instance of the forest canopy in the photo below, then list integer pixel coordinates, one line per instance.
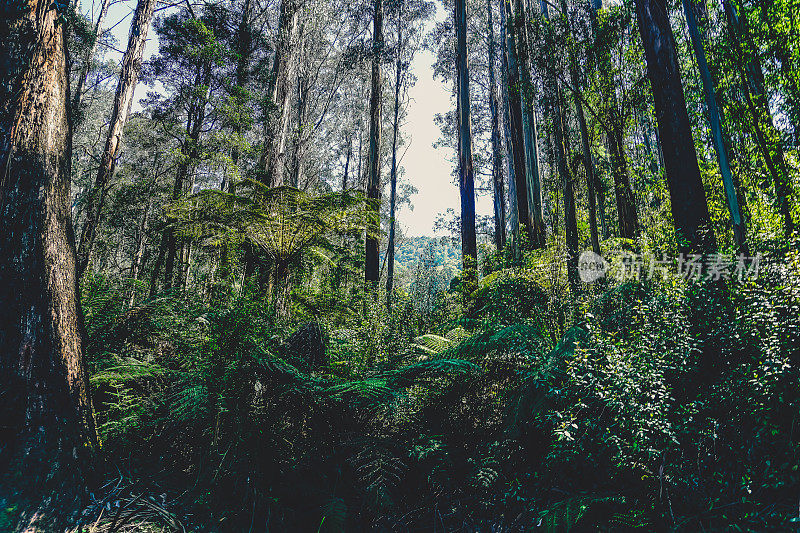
(213, 316)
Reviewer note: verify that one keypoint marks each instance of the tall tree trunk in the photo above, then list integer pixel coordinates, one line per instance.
(627, 217)
(529, 133)
(509, 152)
(466, 183)
(767, 136)
(189, 154)
(689, 206)
(522, 221)
(297, 151)
(347, 162)
(716, 126)
(374, 182)
(273, 165)
(393, 176)
(498, 187)
(78, 94)
(129, 75)
(588, 162)
(560, 139)
(45, 413)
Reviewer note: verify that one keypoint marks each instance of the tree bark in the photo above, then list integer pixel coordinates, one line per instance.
(131, 65)
(689, 206)
(529, 133)
(393, 175)
(45, 414)
(522, 220)
(588, 162)
(374, 182)
(466, 183)
(714, 118)
(273, 165)
(498, 187)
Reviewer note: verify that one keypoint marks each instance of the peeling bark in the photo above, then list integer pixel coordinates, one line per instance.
(45, 413)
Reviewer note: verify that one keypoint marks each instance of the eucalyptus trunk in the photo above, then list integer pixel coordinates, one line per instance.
(689, 206)
(371, 265)
(45, 414)
(123, 99)
(714, 119)
(466, 183)
(523, 221)
(529, 127)
(393, 173)
(498, 187)
(273, 164)
(768, 137)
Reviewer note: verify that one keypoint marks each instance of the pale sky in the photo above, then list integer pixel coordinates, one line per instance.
(427, 168)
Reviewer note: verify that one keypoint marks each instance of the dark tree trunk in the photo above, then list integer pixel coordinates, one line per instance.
(466, 183)
(498, 187)
(715, 121)
(374, 182)
(628, 218)
(689, 206)
(523, 220)
(560, 139)
(529, 127)
(393, 176)
(45, 413)
(129, 75)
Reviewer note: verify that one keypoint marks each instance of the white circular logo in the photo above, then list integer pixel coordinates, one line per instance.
(591, 267)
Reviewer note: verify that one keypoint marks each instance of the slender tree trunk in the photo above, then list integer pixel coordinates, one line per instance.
(715, 122)
(374, 183)
(393, 176)
(131, 65)
(689, 206)
(347, 162)
(628, 218)
(560, 139)
(509, 152)
(78, 94)
(498, 187)
(588, 162)
(45, 413)
(138, 256)
(189, 154)
(244, 51)
(523, 219)
(767, 136)
(466, 183)
(529, 133)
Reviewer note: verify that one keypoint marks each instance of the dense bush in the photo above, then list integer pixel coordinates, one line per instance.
(670, 405)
